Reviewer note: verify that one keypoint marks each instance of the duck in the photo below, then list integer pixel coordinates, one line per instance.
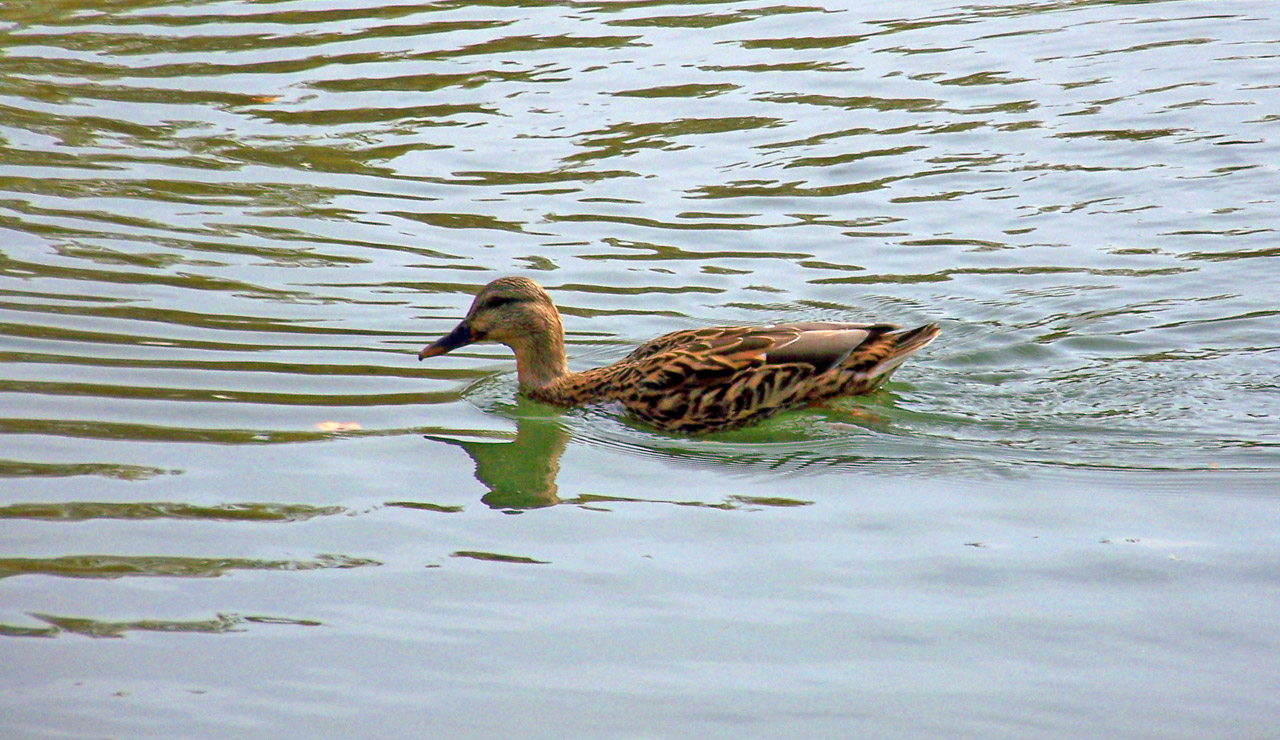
(690, 381)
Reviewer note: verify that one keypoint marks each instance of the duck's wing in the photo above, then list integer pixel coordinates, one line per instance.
(812, 335)
(821, 345)
(699, 357)
(682, 339)
(707, 379)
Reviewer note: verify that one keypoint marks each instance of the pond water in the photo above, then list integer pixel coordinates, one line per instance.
(233, 503)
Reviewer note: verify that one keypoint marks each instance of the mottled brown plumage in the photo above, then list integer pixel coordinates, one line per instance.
(696, 380)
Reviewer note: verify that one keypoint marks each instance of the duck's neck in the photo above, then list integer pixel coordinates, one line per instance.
(540, 360)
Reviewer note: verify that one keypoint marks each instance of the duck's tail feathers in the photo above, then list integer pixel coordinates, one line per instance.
(906, 344)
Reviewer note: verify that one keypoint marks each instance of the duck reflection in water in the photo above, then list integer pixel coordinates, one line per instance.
(519, 473)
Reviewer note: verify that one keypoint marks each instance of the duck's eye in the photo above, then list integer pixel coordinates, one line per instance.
(500, 300)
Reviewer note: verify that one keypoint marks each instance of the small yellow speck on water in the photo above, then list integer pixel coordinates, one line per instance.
(338, 426)
(1213, 466)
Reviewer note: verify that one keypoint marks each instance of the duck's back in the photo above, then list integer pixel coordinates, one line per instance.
(707, 379)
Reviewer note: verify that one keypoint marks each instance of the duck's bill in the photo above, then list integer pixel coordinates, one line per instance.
(460, 337)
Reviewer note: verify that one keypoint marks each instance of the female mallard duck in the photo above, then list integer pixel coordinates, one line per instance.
(696, 380)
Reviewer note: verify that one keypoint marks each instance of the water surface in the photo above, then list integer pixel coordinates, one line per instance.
(232, 502)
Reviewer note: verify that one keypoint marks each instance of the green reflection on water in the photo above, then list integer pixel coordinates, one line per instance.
(119, 566)
(495, 557)
(87, 627)
(24, 469)
(424, 506)
(85, 510)
(520, 473)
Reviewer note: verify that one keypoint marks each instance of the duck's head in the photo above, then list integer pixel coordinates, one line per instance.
(514, 311)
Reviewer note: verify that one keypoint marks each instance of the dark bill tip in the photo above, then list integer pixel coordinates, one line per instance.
(459, 337)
